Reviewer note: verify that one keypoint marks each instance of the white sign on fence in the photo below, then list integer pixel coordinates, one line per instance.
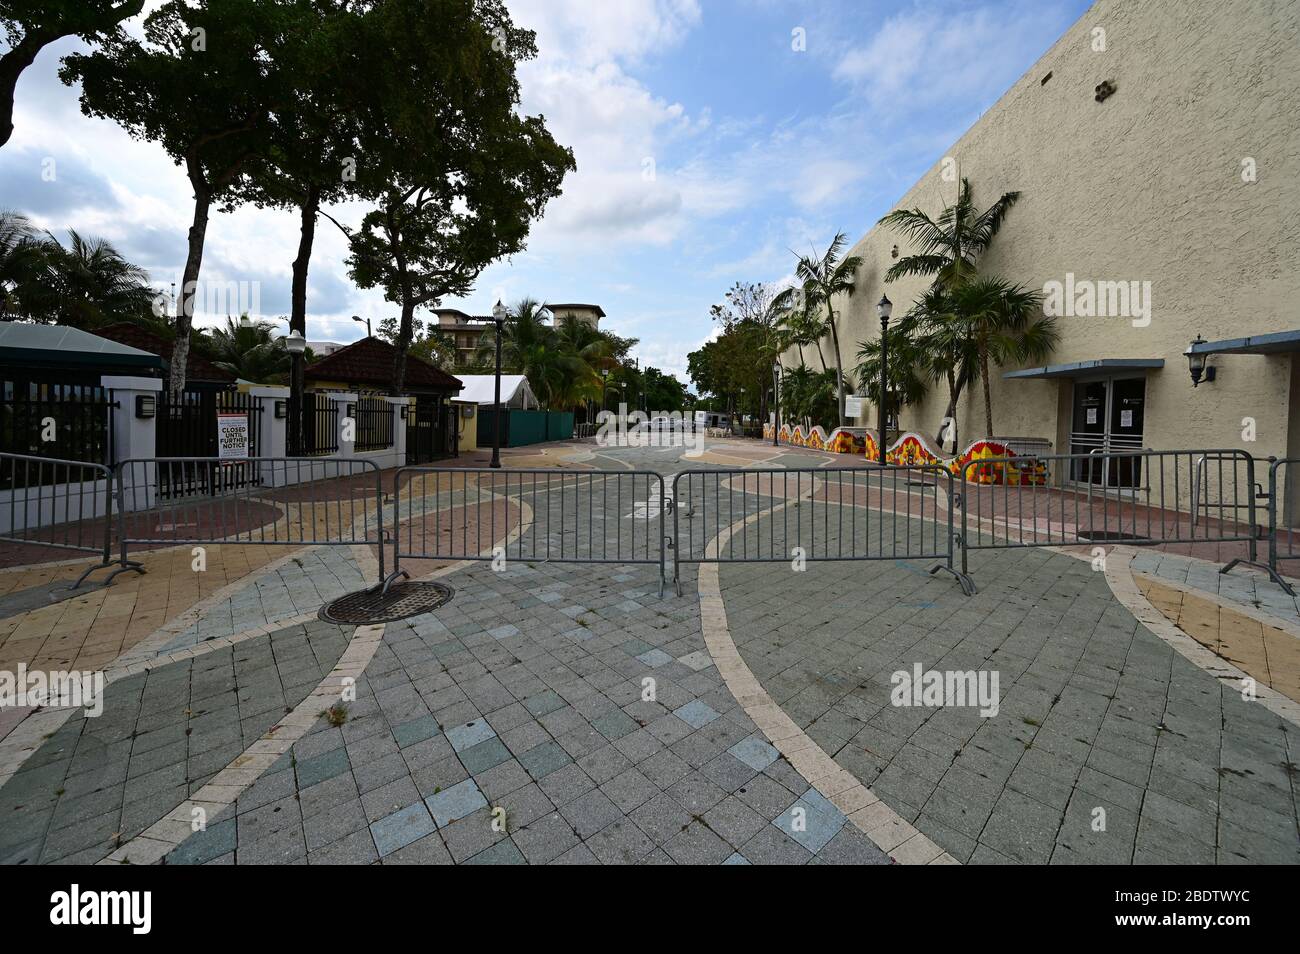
(232, 436)
(852, 406)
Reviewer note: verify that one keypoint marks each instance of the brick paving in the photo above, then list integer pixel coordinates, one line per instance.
(514, 725)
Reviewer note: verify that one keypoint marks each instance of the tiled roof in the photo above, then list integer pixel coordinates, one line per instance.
(197, 367)
(370, 361)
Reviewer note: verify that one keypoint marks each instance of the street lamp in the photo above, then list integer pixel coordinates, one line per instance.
(499, 316)
(884, 308)
(296, 344)
(1196, 362)
(365, 321)
(776, 402)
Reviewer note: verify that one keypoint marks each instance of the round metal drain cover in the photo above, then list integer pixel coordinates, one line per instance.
(402, 600)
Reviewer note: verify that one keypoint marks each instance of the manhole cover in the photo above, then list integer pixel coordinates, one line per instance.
(401, 600)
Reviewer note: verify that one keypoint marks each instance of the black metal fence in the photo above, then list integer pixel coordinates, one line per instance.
(318, 433)
(815, 514)
(531, 515)
(374, 423)
(189, 426)
(61, 421)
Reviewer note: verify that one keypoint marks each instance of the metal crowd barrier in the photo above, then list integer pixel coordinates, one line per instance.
(66, 504)
(1138, 497)
(268, 501)
(592, 516)
(1282, 543)
(816, 514)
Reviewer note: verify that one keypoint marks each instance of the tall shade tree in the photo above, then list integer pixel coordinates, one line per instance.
(458, 174)
(204, 83)
(312, 150)
(948, 246)
(824, 278)
(1006, 323)
(31, 25)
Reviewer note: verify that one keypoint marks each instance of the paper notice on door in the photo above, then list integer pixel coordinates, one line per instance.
(1125, 418)
(1092, 415)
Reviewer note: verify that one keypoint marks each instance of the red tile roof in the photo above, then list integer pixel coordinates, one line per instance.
(370, 361)
(197, 367)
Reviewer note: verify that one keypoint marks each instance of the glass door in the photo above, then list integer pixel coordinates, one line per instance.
(1108, 416)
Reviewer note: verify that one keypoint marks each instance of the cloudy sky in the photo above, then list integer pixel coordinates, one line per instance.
(711, 137)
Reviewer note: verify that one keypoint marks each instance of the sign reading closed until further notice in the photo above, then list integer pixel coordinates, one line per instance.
(232, 436)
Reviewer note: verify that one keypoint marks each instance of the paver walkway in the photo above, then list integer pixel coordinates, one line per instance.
(560, 713)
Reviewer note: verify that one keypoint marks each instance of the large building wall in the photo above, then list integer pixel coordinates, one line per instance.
(1144, 186)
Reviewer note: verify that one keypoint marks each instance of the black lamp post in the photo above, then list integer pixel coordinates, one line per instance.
(884, 308)
(365, 321)
(498, 316)
(776, 402)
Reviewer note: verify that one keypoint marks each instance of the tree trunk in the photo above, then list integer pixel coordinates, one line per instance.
(298, 288)
(821, 356)
(189, 288)
(405, 333)
(12, 65)
(988, 399)
(24, 53)
(839, 369)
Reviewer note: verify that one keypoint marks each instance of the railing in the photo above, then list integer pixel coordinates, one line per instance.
(64, 504)
(57, 421)
(824, 513)
(374, 424)
(319, 426)
(188, 427)
(530, 515)
(293, 502)
(1283, 540)
(1202, 500)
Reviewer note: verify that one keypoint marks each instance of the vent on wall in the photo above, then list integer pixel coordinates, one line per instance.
(1043, 81)
(1103, 91)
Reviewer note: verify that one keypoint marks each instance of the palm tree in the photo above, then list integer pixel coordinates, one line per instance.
(93, 283)
(908, 367)
(22, 260)
(947, 247)
(801, 322)
(250, 350)
(1005, 322)
(823, 278)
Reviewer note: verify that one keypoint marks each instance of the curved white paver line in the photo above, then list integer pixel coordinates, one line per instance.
(1119, 577)
(888, 830)
(1258, 615)
(157, 841)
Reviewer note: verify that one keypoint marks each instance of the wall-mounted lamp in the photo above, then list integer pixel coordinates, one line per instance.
(281, 409)
(1196, 362)
(146, 406)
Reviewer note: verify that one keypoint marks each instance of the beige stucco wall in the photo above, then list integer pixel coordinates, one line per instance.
(1145, 186)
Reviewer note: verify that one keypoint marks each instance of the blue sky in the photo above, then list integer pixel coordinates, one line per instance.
(707, 146)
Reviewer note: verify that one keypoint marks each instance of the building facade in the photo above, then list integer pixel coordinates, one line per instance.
(1156, 149)
(464, 330)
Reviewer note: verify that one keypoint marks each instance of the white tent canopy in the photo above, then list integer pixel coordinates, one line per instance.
(515, 390)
